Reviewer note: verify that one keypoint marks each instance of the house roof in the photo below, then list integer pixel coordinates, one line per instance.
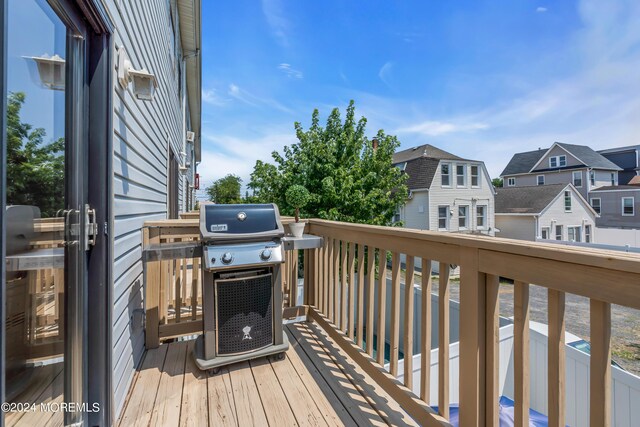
(616, 187)
(421, 172)
(522, 163)
(425, 150)
(526, 200)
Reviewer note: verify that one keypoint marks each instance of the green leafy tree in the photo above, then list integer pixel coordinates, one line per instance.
(497, 182)
(347, 178)
(225, 190)
(35, 170)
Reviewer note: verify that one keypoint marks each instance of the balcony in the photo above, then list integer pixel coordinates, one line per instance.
(339, 370)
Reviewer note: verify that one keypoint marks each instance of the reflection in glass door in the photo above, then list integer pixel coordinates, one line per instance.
(43, 216)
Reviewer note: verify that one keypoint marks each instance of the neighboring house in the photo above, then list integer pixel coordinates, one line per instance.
(628, 158)
(446, 192)
(561, 164)
(120, 83)
(618, 206)
(553, 211)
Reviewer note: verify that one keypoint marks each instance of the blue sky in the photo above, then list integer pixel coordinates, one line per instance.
(482, 79)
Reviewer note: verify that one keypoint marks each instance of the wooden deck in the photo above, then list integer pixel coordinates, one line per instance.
(316, 384)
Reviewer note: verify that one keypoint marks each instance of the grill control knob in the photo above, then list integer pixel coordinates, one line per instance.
(227, 257)
(265, 255)
(213, 260)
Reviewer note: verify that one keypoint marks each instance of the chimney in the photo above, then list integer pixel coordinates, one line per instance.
(374, 143)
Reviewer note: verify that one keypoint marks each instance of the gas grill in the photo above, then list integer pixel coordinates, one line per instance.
(242, 254)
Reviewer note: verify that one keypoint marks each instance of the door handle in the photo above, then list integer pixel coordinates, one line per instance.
(91, 228)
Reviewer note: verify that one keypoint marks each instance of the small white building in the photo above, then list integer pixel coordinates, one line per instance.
(552, 211)
(446, 192)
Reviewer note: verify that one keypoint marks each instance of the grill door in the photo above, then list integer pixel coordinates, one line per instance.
(244, 314)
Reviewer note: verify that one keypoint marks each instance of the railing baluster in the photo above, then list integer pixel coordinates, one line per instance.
(492, 346)
(330, 280)
(395, 313)
(343, 287)
(425, 332)
(382, 303)
(195, 274)
(177, 302)
(336, 282)
(316, 276)
(359, 327)
(352, 289)
(325, 278)
(600, 369)
(556, 359)
(408, 323)
(153, 282)
(521, 354)
(443, 339)
(293, 281)
(371, 272)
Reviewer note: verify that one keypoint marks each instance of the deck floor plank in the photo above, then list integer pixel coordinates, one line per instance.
(143, 395)
(274, 400)
(315, 385)
(169, 397)
(194, 411)
(222, 406)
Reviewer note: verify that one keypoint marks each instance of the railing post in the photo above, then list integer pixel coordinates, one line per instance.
(472, 339)
(600, 369)
(152, 278)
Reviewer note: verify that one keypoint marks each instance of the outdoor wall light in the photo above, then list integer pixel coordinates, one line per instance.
(191, 136)
(50, 70)
(144, 84)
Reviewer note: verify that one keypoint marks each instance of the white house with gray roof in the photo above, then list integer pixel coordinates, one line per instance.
(561, 163)
(446, 192)
(553, 211)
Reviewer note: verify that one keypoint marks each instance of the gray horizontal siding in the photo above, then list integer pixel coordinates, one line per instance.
(143, 132)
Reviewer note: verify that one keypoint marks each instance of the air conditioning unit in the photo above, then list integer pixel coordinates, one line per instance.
(191, 136)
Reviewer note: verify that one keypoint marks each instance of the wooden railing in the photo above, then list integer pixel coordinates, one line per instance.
(357, 254)
(346, 310)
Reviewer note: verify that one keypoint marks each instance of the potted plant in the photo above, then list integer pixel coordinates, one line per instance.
(297, 196)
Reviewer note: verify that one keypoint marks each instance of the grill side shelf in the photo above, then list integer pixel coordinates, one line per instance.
(166, 251)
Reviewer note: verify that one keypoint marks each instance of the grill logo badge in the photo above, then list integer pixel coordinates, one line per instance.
(219, 227)
(246, 330)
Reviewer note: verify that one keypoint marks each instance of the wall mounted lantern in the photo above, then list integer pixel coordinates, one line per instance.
(144, 84)
(50, 70)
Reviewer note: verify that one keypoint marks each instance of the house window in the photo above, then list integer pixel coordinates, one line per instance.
(557, 161)
(461, 175)
(475, 176)
(540, 179)
(627, 206)
(446, 174)
(463, 214)
(511, 182)
(613, 178)
(558, 232)
(443, 217)
(595, 204)
(587, 233)
(567, 201)
(577, 179)
(402, 166)
(592, 178)
(481, 215)
(545, 232)
(574, 233)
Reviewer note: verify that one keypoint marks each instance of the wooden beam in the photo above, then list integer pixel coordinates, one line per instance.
(361, 285)
(556, 374)
(600, 368)
(343, 287)
(492, 346)
(522, 382)
(352, 291)
(382, 304)
(425, 332)
(152, 281)
(395, 314)
(371, 273)
(443, 340)
(408, 323)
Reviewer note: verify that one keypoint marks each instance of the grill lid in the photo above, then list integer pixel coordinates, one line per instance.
(242, 222)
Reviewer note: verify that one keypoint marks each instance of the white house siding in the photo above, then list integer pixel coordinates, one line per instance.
(411, 212)
(555, 214)
(144, 131)
(521, 227)
(454, 196)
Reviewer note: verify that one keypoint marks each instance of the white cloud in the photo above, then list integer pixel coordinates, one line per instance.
(211, 97)
(541, 9)
(292, 73)
(249, 98)
(385, 72)
(274, 14)
(436, 128)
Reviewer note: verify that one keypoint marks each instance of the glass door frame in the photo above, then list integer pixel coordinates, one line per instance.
(88, 134)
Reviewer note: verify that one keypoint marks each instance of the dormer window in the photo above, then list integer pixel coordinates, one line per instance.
(445, 171)
(557, 161)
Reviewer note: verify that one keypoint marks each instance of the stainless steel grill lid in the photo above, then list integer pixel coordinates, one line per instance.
(239, 223)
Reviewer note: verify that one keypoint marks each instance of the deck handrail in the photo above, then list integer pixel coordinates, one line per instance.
(349, 256)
